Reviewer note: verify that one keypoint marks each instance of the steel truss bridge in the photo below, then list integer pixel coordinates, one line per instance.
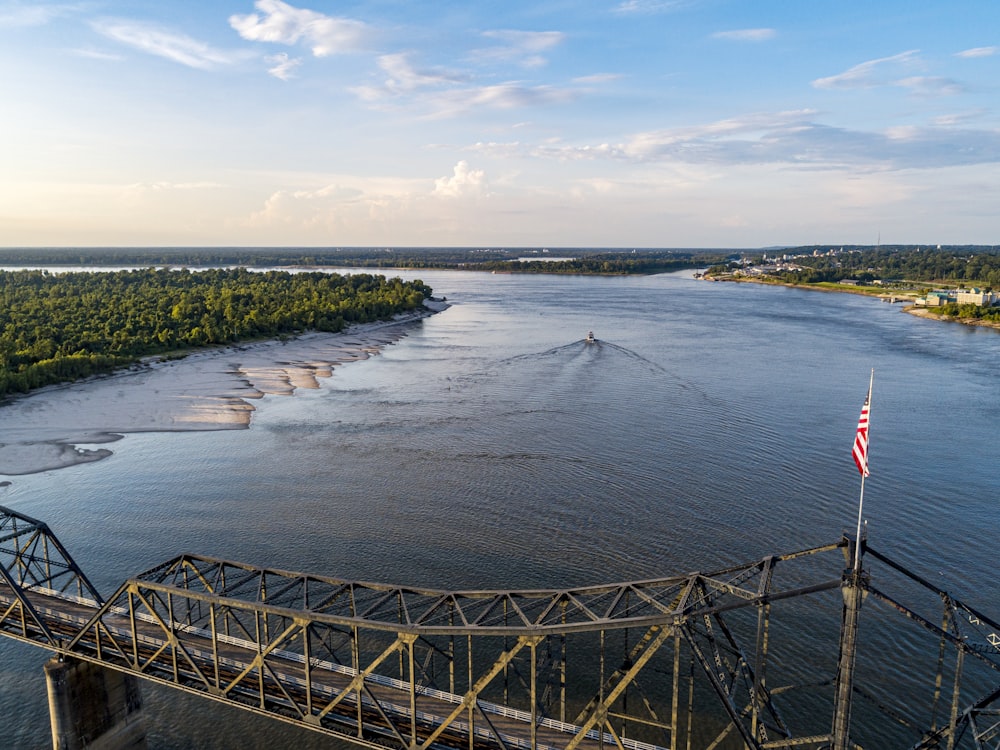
(797, 650)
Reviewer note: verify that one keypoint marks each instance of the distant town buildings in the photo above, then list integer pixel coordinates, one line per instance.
(972, 296)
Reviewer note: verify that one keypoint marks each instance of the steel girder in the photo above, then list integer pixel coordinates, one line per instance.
(702, 660)
(33, 559)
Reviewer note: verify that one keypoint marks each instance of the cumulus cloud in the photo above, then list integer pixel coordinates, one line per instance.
(282, 23)
(164, 43)
(303, 208)
(979, 52)
(525, 47)
(463, 182)
(746, 35)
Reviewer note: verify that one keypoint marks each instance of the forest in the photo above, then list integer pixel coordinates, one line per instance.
(59, 327)
(579, 260)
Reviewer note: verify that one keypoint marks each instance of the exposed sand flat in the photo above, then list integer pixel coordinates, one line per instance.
(207, 390)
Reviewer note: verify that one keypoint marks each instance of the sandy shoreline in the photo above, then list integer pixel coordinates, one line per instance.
(206, 390)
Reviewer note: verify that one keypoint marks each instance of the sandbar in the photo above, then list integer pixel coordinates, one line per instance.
(210, 389)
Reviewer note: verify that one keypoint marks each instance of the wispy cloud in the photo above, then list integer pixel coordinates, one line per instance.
(510, 95)
(19, 15)
(869, 74)
(402, 77)
(888, 71)
(282, 23)
(283, 65)
(95, 54)
(979, 52)
(162, 42)
(781, 139)
(746, 35)
(596, 78)
(525, 47)
(957, 118)
(439, 92)
(649, 7)
(930, 85)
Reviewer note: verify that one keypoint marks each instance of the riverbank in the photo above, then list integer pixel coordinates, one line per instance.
(212, 389)
(923, 312)
(886, 296)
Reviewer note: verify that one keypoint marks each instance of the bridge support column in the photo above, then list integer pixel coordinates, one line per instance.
(93, 707)
(853, 596)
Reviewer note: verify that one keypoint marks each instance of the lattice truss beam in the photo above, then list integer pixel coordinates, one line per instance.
(742, 657)
(33, 561)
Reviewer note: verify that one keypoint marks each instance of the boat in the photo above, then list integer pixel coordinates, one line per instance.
(590, 338)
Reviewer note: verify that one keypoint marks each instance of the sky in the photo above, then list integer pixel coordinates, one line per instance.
(549, 123)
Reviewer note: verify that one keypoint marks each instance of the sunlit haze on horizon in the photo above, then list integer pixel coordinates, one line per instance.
(624, 123)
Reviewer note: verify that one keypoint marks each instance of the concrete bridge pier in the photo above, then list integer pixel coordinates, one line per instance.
(93, 707)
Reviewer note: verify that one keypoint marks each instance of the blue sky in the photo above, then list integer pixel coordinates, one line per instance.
(623, 123)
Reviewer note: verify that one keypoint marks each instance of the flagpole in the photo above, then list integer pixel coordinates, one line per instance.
(864, 472)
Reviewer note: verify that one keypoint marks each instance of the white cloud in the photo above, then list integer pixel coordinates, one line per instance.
(283, 65)
(94, 54)
(957, 118)
(463, 182)
(979, 52)
(440, 92)
(526, 47)
(782, 140)
(646, 7)
(868, 74)
(598, 78)
(283, 24)
(930, 85)
(404, 77)
(158, 41)
(886, 71)
(18, 15)
(746, 35)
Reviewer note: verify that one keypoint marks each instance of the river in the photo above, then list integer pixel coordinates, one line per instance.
(711, 424)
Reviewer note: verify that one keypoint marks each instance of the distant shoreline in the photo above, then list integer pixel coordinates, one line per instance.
(912, 309)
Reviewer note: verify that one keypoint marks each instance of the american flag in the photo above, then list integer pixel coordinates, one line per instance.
(861, 438)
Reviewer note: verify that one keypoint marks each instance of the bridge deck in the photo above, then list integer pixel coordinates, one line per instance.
(196, 662)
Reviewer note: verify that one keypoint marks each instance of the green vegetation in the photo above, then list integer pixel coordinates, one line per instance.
(61, 327)
(898, 266)
(584, 260)
(968, 313)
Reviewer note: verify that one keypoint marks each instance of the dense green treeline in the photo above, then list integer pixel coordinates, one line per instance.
(585, 260)
(604, 263)
(61, 327)
(967, 312)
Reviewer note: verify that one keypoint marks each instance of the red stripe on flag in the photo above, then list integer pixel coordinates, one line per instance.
(860, 451)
